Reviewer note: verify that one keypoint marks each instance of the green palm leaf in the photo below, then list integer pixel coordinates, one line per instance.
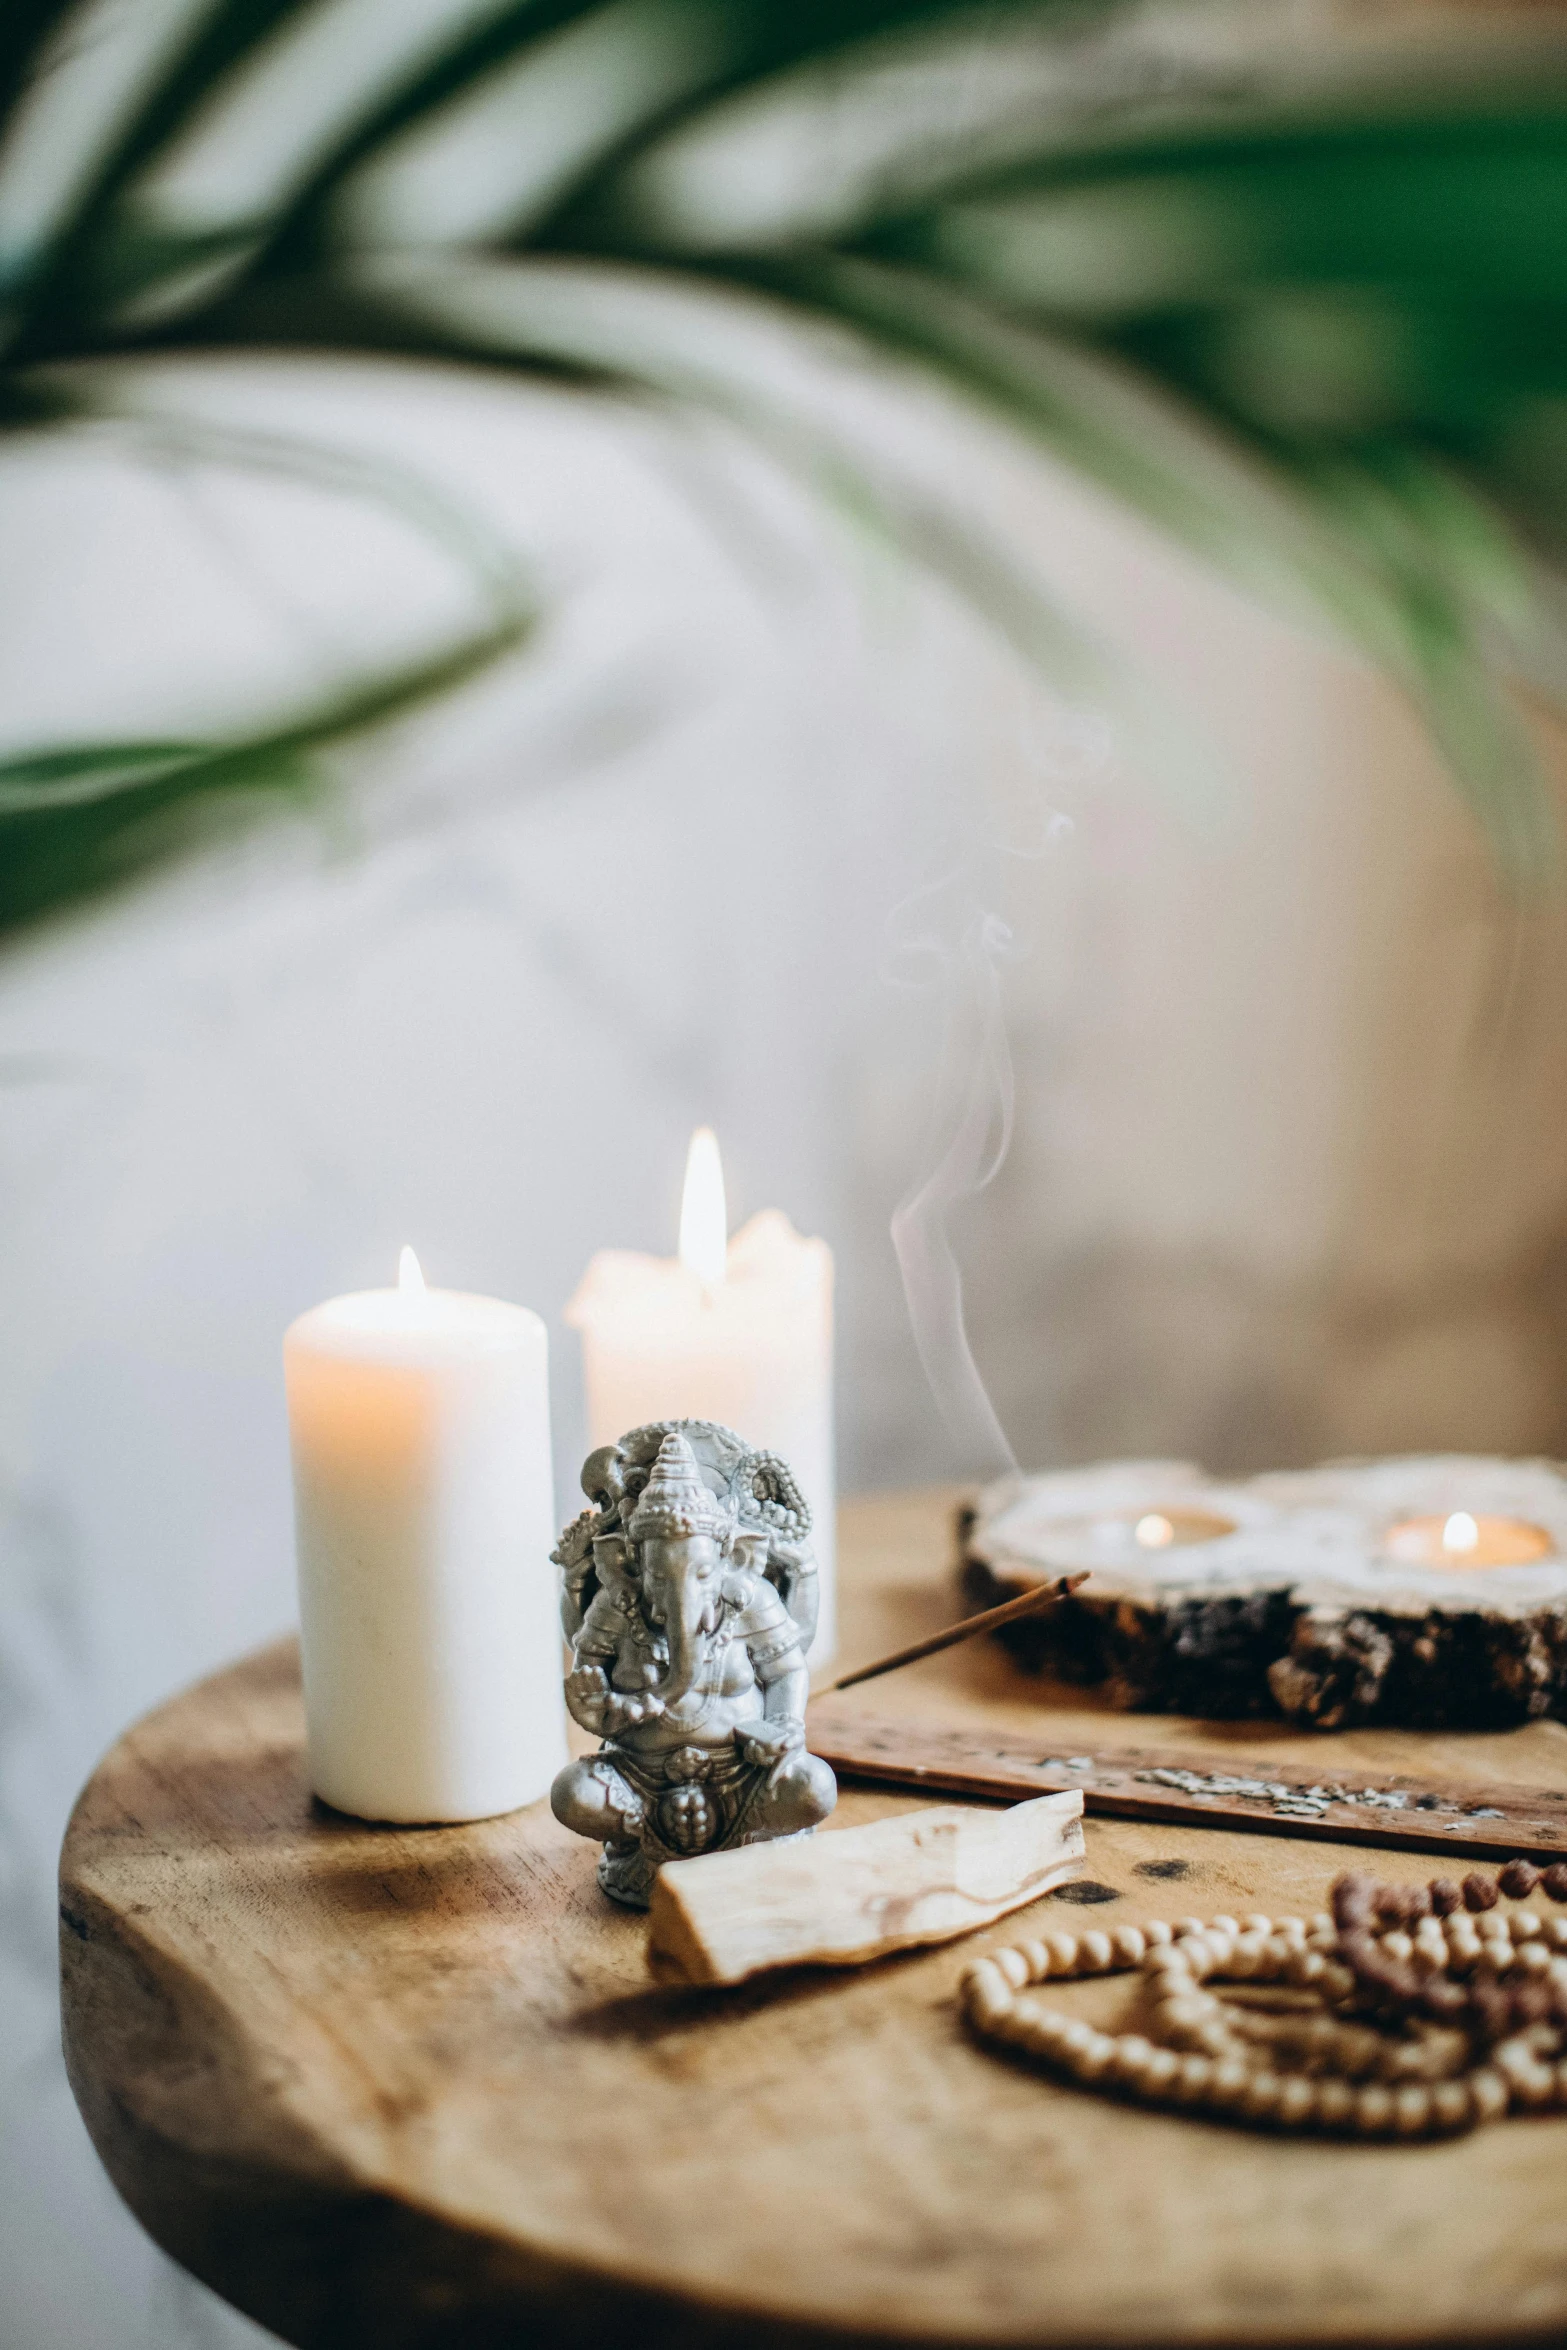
(1290, 286)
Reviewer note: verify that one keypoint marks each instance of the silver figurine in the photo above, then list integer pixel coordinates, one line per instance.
(689, 1597)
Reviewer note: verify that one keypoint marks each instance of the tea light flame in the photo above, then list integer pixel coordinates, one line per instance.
(1154, 1532)
(410, 1278)
(704, 1214)
(1465, 1540)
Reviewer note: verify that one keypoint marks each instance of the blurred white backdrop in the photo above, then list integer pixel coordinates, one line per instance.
(1288, 1177)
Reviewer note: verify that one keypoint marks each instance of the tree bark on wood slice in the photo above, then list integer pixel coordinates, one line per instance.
(1287, 1594)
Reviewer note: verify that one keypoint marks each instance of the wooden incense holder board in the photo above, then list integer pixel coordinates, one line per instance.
(1468, 1821)
(412, 2088)
(844, 1899)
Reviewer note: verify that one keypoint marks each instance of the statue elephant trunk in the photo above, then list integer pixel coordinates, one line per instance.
(682, 1595)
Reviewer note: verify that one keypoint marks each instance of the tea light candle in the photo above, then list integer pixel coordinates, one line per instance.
(419, 1423)
(738, 1331)
(1462, 1540)
(1173, 1529)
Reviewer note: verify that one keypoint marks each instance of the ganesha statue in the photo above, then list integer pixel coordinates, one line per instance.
(689, 1598)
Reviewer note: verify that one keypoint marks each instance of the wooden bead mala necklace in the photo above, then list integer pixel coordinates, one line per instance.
(1407, 2011)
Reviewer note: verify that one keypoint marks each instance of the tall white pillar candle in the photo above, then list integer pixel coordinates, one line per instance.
(424, 1515)
(739, 1333)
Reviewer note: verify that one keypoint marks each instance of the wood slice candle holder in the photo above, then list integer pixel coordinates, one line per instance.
(1428, 1592)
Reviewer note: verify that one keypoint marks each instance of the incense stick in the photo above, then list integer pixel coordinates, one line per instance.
(1011, 1611)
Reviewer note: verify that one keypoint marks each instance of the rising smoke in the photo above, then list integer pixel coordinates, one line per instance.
(952, 941)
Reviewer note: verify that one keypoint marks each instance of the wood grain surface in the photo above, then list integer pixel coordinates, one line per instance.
(412, 2087)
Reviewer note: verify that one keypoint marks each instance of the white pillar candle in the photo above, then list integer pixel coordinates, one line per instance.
(739, 1333)
(424, 1514)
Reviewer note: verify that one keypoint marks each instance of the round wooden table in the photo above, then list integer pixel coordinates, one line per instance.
(390, 2087)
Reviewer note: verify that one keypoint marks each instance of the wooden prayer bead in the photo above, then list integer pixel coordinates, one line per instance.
(986, 2005)
(1007, 2020)
(1014, 2024)
(1450, 2105)
(1479, 1892)
(1518, 1880)
(1374, 2109)
(1159, 2073)
(1411, 2109)
(1093, 2058)
(1554, 1880)
(1297, 2101)
(1230, 2081)
(1260, 2101)
(1335, 2103)
(1529, 2082)
(1193, 2079)
(1130, 2056)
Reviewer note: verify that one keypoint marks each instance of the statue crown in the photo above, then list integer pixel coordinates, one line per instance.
(675, 1499)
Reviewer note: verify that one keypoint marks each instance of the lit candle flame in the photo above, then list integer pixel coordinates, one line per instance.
(1154, 1532)
(704, 1216)
(410, 1280)
(1460, 1533)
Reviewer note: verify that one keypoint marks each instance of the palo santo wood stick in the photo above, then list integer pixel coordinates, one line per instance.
(852, 1894)
(1011, 1611)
